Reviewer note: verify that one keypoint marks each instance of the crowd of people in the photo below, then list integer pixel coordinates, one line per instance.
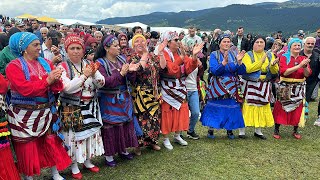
(71, 94)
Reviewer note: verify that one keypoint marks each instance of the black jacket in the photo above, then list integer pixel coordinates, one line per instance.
(244, 43)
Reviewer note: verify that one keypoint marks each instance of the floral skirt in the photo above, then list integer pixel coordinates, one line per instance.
(150, 126)
(85, 149)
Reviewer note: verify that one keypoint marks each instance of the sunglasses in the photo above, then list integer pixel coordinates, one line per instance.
(310, 43)
(176, 40)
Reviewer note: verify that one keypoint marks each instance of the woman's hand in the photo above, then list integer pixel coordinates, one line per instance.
(162, 46)
(88, 71)
(276, 61)
(133, 66)
(197, 48)
(53, 76)
(304, 63)
(225, 58)
(240, 56)
(124, 69)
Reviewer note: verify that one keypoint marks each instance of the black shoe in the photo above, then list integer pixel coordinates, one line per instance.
(260, 136)
(242, 136)
(230, 134)
(192, 135)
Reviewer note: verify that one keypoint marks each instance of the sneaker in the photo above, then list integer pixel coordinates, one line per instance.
(317, 122)
(192, 135)
(167, 145)
(210, 134)
(180, 141)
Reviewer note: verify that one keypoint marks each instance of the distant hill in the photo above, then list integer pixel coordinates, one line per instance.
(261, 18)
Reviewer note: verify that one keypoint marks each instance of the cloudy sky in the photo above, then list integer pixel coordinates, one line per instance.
(93, 10)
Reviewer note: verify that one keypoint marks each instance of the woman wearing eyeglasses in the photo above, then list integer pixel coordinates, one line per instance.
(80, 111)
(174, 108)
(223, 106)
(32, 113)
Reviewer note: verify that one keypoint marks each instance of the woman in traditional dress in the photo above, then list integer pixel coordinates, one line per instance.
(125, 51)
(80, 112)
(260, 66)
(8, 168)
(33, 80)
(294, 69)
(115, 101)
(146, 93)
(174, 108)
(223, 105)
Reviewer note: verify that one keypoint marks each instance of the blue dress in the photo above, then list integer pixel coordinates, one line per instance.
(222, 110)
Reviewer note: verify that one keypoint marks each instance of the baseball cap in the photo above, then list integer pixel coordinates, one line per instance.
(18, 24)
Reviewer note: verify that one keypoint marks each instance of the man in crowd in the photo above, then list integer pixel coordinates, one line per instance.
(317, 45)
(98, 36)
(214, 45)
(64, 29)
(20, 26)
(312, 80)
(7, 26)
(191, 39)
(49, 49)
(135, 30)
(36, 29)
(240, 40)
(44, 32)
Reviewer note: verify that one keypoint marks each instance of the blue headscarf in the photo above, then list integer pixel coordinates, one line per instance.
(19, 42)
(287, 54)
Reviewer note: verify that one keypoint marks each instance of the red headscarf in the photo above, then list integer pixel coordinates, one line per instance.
(73, 39)
(91, 40)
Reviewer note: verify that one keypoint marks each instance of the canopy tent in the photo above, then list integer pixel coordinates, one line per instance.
(26, 16)
(74, 22)
(164, 29)
(47, 19)
(131, 25)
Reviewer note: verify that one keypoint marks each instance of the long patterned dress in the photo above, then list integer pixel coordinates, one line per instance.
(145, 100)
(31, 115)
(85, 142)
(116, 107)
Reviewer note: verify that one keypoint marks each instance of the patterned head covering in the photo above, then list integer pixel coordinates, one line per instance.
(135, 37)
(222, 36)
(19, 42)
(169, 35)
(122, 35)
(73, 39)
(109, 40)
(288, 53)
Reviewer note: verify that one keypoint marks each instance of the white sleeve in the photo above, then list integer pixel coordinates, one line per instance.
(71, 86)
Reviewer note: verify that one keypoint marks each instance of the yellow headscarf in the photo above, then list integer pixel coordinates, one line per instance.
(135, 37)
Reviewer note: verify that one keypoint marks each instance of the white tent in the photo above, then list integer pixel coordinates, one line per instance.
(74, 21)
(164, 29)
(131, 25)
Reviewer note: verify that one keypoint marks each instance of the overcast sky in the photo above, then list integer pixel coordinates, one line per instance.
(93, 10)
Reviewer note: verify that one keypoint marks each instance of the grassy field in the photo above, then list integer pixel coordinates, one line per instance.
(222, 158)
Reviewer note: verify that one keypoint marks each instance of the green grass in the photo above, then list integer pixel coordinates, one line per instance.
(222, 158)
